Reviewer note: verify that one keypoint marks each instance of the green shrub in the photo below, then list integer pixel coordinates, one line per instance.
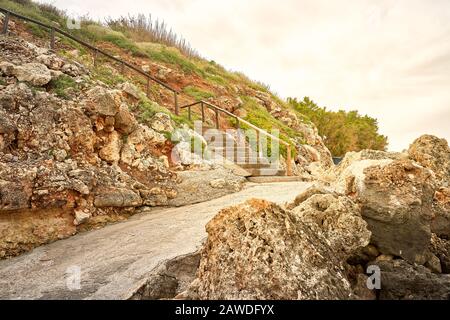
(124, 43)
(172, 56)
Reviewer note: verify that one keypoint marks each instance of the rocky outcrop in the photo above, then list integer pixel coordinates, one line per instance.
(69, 164)
(440, 248)
(338, 218)
(396, 197)
(258, 250)
(433, 153)
(441, 219)
(403, 281)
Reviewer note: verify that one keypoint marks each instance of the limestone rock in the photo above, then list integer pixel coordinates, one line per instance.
(441, 249)
(103, 101)
(111, 150)
(117, 197)
(51, 61)
(205, 185)
(441, 219)
(13, 196)
(339, 218)
(396, 200)
(403, 281)
(433, 153)
(81, 216)
(7, 68)
(130, 89)
(161, 122)
(35, 73)
(259, 251)
(125, 122)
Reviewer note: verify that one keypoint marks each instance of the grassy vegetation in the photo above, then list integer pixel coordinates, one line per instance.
(142, 28)
(260, 117)
(197, 93)
(147, 109)
(2, 82)
(63, 85)
(173, 57)
(107, 75)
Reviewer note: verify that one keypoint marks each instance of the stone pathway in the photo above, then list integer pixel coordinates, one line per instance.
(115, 260)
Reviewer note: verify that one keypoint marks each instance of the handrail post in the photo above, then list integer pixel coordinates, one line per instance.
(189, 114)
(257, 146)
(288, 161)
(122, 68)
(148, 88)
(95, 57)
(52, 38)
(217, 118)
(5, 23)
(238, 123)
(177, 111)
(203, 112)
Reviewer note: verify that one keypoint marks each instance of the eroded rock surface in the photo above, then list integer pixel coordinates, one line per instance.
(257, 250)
(67, 164)
(396, 197)
(433, 153)
(339, 218)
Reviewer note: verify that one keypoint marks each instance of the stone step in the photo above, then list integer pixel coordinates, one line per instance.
(255, 165)
(266, 172)
(243, 160)
(274, 179)
(229, 149)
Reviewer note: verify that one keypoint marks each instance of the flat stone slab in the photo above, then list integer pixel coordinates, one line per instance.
(277, 179)
(115, 260)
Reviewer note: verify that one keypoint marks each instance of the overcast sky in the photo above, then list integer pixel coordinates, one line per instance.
(387, 59)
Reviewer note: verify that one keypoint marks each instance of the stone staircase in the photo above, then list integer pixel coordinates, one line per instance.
(236, 149)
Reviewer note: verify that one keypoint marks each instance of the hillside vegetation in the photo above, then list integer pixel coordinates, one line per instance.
(342, 131)
(150, 43)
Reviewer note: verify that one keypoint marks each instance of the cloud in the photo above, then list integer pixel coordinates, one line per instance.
(388, 59)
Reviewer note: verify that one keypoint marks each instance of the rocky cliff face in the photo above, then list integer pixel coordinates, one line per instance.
(66, 165)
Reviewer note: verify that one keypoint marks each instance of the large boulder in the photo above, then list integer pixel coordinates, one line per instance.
(339, 218)
(104, 102)
(396, 198)
(206, 185)
(433, 153)
(257, 250)
(36, 74)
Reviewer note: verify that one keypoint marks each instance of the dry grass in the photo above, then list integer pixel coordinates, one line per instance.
(143, 28)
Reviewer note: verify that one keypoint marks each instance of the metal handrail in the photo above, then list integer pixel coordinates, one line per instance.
(53, 30)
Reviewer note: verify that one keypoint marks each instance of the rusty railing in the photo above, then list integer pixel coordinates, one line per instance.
(96, 51)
